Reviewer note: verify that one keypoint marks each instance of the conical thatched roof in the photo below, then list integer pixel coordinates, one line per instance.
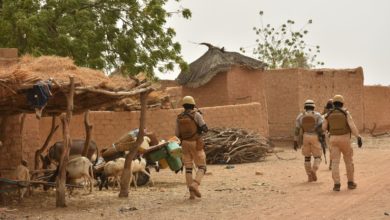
(215, 60)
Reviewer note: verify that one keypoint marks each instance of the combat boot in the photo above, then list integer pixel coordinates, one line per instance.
(336, 187)
(314, 176)
(310, 178)
(352, 185)
(194, 189)
(192, 195)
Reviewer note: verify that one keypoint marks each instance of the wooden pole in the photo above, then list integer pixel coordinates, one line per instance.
(39, 152)
(88, 131)
(125, 178)
(65, 119)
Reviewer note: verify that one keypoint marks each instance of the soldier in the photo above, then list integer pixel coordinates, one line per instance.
(189, 128)
(340, 125)
(329, 106)
(309, 122)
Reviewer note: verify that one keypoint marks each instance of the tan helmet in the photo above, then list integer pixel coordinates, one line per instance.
(188, 100)
(338, 98)
(310, 103)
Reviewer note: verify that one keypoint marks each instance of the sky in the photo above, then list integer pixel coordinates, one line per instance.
(351, 33)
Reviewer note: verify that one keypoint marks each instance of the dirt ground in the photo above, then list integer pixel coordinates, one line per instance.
(278, 191)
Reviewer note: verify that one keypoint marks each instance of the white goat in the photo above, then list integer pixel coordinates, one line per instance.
(80, 167)
(114, 169)
(138, 165)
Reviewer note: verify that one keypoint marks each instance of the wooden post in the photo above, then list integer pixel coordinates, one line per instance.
(65, 119)
(88, 131)
(125, 178)
(39, 152)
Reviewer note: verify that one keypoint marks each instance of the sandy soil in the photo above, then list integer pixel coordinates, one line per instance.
(278, 191)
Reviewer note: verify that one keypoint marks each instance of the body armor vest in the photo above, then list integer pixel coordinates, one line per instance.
(337, 122)
(188, 129)
(308, 122)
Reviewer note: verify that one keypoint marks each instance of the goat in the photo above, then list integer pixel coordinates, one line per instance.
(22, 173)
(80, 167)
(112, 169)
(138, 165)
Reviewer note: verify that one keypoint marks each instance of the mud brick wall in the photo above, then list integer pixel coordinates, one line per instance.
(175, 96)
(168, 83)
(214, 93)
(11, 150)
(31, 139)
(282, 96)
(247, 86)
(376, 107)
(109, 126)
(287, 90)
(246, 116)
(322, 84)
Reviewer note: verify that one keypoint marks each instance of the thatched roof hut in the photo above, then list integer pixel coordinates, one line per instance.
(93, 89)
(215, 60)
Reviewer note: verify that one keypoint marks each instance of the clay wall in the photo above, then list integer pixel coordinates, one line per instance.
(376, 106)
(175, 96)
(214, 93)
(287, 90)
(11, 148)
(322, 84)
(110, 126)
(282, 96)
(168, 83)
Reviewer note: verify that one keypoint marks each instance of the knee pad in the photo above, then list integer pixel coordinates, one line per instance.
(189, 170)
(307, 159)
(202, 167)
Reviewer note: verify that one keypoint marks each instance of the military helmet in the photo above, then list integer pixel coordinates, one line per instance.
(188, 100)
(310, 103)
(338, 98)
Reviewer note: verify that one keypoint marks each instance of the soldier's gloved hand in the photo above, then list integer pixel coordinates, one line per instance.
(360, 142)
(295, 145)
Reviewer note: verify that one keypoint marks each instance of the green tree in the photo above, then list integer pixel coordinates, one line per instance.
(284, 47)
(100, 34)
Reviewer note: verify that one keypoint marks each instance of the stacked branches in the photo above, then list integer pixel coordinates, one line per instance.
(235, 145)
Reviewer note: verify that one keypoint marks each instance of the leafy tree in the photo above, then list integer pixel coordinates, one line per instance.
(284, 47)
(100, 34)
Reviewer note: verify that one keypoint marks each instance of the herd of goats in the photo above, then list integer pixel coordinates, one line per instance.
(83, 172)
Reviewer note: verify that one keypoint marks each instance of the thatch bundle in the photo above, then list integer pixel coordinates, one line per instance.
(235, 145)
(93, 89)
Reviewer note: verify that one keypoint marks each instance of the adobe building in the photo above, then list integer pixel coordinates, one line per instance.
(221, 78)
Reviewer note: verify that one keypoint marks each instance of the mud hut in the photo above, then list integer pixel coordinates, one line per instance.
(221, 77)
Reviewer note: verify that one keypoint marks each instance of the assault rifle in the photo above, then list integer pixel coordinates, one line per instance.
(321, 138)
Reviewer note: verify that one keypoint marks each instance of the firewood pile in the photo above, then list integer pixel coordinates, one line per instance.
(235, 145)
